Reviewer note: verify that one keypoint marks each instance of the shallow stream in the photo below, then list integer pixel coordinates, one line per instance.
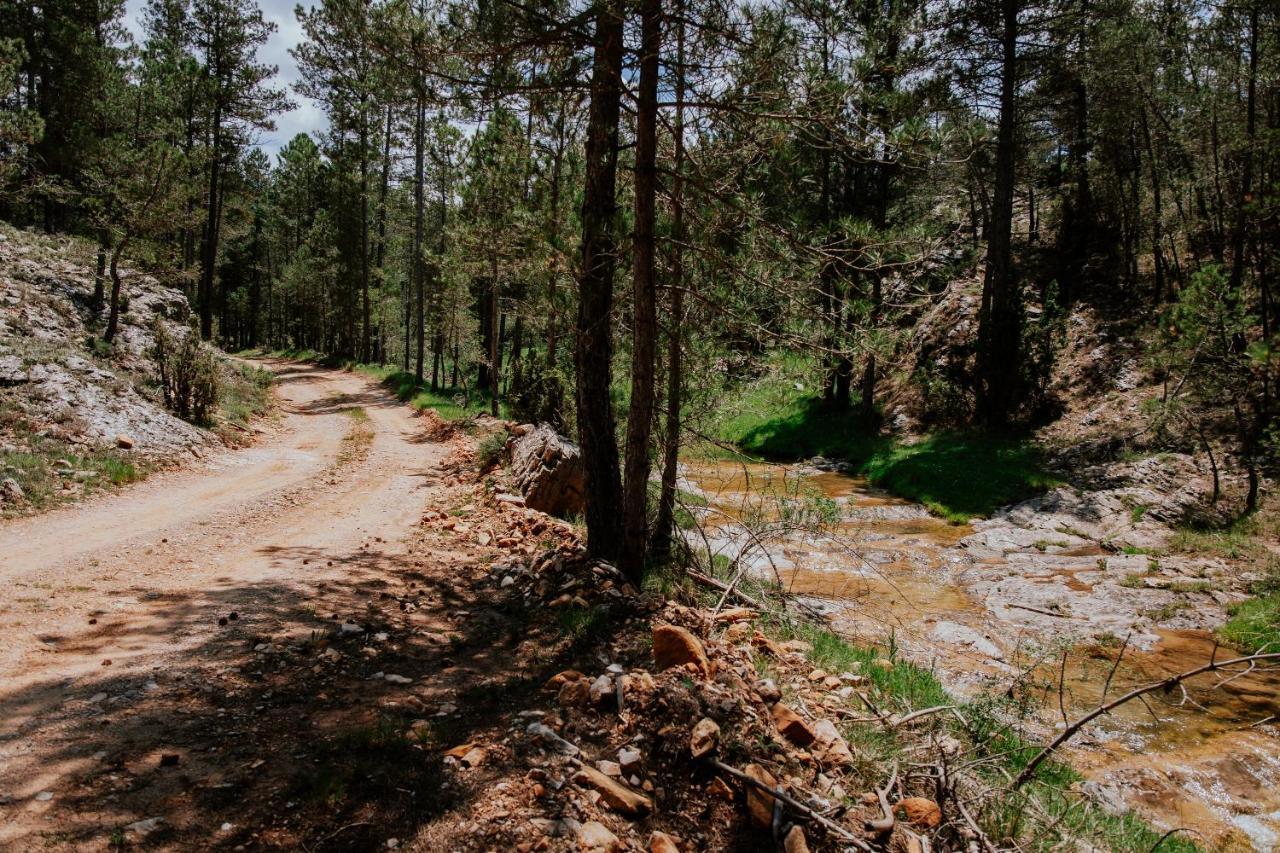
(886, 571)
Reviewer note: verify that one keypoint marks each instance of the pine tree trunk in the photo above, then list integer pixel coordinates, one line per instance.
(1000, 318)
(635, 504)
(593, 355)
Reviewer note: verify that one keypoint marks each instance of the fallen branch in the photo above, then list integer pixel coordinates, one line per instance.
(884, 824)
(723, 587)
(1167, 684)
(915, 715)
(800, 808)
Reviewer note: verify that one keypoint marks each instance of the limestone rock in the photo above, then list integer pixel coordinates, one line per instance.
(124, 442)
(548, 469)
(829, 745)
(705, 736)
(675, 646)
(759, 803)
(791, 726)
(660, 842)
(596, 838)
(10, 491)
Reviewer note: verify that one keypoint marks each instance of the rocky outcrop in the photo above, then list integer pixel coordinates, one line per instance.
(54, 372)
(548, 469)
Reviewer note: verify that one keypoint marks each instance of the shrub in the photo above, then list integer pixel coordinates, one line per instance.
(188, 372)
(490, 450)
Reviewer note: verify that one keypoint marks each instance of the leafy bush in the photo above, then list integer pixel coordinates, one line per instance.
(490, 450)
(188, 372)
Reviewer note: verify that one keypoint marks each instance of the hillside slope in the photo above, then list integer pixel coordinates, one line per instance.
(76, 413)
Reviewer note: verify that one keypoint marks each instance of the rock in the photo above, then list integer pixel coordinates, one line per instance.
(920, 811)
(550, 740)
(705, 736)
(791, 726)
(616, 795)
(10, 491)
(596, 838)
(548, 469)
(629, 758)
(601, 690)
(609, 768)
(829, 746)
(124, 442)
(12, 372)
(760, 803)
(675, 646)
(575, 694)
(142, 827)
(558, 680)
(795, 841)
(660, 842)
(737, 633)
(44, 796)
(768, 690)
(397, 679)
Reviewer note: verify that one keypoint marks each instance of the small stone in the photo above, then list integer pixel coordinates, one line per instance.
(660, 842)
(609, 768)
(829, 745)
(629, 758)
(601, 690)
(920, 811)
(795, 841)
(760, 803)
(595, 837)
(124, 442)
(705, 736)
(675, 646)
(397, 679)
(791, 726)
(44, 796)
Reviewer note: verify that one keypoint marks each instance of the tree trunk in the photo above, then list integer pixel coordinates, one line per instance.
(113, 317)
(1000, 318)
(664, 527)
(211, 228)
(635, 504)
(1239, 229)
(419, 203)
(594, 352)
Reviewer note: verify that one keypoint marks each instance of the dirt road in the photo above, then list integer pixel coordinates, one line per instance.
(104, 598)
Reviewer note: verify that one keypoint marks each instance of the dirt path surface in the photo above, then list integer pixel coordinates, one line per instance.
(117, 602)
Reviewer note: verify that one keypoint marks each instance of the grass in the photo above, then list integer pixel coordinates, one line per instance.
(957, 475)
(1254, 625)
(244, 394)
(42, 465)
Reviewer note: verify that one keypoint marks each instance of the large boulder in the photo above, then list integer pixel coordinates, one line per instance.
(548, 470)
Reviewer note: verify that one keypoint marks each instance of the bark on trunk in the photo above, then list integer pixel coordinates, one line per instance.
(594, 352)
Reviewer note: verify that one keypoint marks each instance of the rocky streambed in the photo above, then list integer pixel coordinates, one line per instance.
(998, 604)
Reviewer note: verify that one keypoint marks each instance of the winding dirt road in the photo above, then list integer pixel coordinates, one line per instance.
(139, 578)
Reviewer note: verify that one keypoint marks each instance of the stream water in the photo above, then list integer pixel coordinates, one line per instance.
(885, 570)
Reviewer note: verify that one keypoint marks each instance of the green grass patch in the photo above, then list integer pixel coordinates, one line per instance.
(1254, 625)
(957, 475)
(451, 404)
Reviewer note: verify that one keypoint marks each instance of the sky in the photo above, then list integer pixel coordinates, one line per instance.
(307, 117)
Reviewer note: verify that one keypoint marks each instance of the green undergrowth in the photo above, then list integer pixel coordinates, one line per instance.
(1254, 625)
(244, 394)
(957, 475)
